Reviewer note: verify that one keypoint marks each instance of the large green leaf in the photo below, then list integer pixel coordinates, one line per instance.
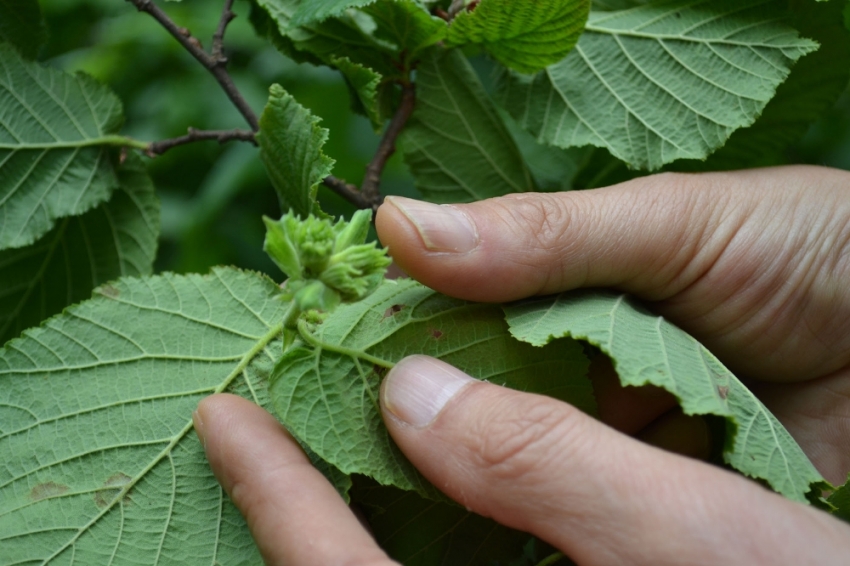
(100, 465)
(456, 145)
(813, 88)
(22, 26)
(646, 349)
(117, 238)
(326, 392)
(526, 36)
(406, 25)
(53, 161)
(662, 81)
(322, 42)
(291, 143)
(317, 10)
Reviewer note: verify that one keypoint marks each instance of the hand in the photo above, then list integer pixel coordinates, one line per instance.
(754, 264)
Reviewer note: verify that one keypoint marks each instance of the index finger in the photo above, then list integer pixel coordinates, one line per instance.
(295, 515)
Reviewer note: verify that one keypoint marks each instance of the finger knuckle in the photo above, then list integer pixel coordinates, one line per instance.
(522, 444)
(546, 219)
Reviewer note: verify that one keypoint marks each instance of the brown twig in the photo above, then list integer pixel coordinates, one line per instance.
(227, 16)
(347, 191)
(368, 196)
(221, 136)
(215, 63)
(370, 190)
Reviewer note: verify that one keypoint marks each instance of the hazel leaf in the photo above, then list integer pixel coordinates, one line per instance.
(326, 391)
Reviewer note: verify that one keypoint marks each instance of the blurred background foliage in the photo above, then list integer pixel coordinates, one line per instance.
(213, 196)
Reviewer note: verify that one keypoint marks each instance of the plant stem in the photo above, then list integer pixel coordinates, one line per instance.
(347, 191)
(119, 141)
(221, 136)
(371, 187)
(369, 195)
(216, 63)
(304, 332)
(227, 16)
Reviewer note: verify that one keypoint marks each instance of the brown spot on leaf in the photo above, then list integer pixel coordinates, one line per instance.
(723, 391)
(380, 371)
(435, 333)
(111, 489)
(392, 311)
(47, 489)
(108, 291)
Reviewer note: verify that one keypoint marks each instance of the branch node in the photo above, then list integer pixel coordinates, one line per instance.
(213, 63)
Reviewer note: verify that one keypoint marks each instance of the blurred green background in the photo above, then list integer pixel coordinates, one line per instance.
(213, 196)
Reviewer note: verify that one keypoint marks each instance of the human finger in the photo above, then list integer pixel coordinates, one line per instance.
(295, 515)
(541, 466)
(752, 263)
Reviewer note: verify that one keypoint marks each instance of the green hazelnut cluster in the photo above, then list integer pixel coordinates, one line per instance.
(326, 263)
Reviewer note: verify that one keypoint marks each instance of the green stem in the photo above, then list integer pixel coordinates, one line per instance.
(357, 354)
(551, 559)
(120, 141)
(290, 325)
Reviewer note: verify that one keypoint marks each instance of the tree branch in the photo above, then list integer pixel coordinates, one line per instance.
(347, 191)
(227, 16)
(215, 63)
(369, 195)
(370, 190)
(221, 136)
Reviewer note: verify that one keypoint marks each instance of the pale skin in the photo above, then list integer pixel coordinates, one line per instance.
(755, 264)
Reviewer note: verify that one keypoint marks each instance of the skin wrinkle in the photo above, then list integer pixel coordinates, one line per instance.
(714, 237)
(535, 216)
(761, 294)
(778, 290)
(603, 498)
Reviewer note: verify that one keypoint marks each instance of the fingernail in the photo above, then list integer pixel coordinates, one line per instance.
(442, 227)
(199, 427)
(418, 387)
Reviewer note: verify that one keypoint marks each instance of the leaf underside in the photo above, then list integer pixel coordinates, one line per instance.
(322, 42)
(406, 25)
(116, 239)
(51, 162)
(100, 465)
(813, 87)
(646, 349)
(327, 393)
(318, 10)
(661, 81)
(456, 145)
(525, 36)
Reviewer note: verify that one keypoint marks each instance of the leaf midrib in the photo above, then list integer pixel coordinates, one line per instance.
(249, 356)
(121, 141)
